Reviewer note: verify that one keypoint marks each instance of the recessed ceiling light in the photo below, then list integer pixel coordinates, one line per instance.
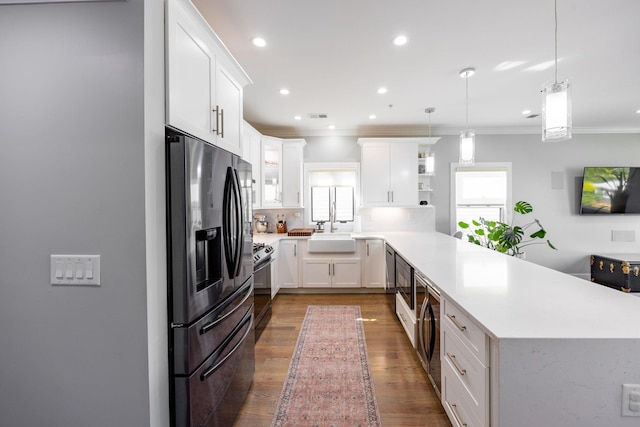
(638, 111)
(372, 116)
(297, 117)
(400, 40)
(284, 91)
(332, 126)
(526, 112)
(382, 90)
(259, 41)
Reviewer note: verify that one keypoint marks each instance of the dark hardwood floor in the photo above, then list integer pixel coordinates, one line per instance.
(403, 391)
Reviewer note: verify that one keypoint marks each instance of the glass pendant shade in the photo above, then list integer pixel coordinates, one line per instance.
(430, 164)
(467, 147)
(556, 112)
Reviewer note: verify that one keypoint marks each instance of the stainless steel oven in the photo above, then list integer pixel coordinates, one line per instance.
(404, 282)
(428, 341)
(261, 286)
(390, 256)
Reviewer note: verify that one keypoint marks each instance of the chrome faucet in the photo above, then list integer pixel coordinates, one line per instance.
(332, 217)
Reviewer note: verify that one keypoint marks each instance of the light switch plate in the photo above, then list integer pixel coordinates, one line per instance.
(631, 400)
(83, 270)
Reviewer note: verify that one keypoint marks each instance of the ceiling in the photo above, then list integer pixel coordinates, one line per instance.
(333, 55)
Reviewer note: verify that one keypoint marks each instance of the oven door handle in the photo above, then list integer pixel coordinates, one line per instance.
(263, 265)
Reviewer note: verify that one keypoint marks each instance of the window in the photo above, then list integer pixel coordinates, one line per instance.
(480, 191)
(324, 200)
(331, 186)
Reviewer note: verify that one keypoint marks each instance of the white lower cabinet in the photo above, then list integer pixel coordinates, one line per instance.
(275, 276)
(331, 273)
(288, 260)
(465, 368)
(374, 264)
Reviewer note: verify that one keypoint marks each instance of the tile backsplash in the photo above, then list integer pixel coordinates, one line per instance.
(368, 219)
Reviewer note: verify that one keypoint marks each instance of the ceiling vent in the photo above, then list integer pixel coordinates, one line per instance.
(318, 115)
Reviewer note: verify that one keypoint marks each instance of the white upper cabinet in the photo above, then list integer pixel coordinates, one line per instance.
(251, 152)
(292, 165)
(271, 171)
(204, 82)
(388, 170)
(282, 162)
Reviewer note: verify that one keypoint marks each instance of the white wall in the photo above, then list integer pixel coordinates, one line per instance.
(72, 181)
(533, 163)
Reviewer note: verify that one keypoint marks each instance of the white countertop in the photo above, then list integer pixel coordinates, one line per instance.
(509, 297)
(513, 298)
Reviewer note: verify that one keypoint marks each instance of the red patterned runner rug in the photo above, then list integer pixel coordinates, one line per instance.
(329, 382)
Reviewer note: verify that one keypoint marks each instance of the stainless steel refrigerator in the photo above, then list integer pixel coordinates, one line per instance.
(210, 282)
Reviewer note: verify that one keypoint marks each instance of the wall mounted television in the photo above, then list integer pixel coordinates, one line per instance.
(610, 190)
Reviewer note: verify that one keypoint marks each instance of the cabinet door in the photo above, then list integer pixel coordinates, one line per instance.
(403, 176)
(251, 153)
(316, 273)
(292, 174)
(374, 172)
(374, 264)
(271, 171)
(190, 75)
(275, 274)
(288, 263)
(345, 273)
(229, 111)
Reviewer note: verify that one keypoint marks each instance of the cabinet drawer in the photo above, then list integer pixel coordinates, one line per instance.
(457, 401)
(469, 370)
(467, 330)
(407, 318)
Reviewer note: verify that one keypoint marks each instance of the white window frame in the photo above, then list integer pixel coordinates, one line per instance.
(453, 221)
(310, 167)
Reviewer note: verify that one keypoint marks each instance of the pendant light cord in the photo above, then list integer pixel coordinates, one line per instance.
(555, 14)
(466, 81)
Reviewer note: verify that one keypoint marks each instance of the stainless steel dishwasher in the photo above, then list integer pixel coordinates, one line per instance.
(428, 342)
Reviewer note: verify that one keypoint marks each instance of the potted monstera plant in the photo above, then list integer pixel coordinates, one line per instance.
(507, 238)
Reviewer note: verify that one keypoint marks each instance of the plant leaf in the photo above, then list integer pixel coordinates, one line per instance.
(463, 225)
(550, 245)
(523, 207)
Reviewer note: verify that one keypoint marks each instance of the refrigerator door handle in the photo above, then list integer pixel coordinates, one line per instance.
(239, 231)
(228, 227)
(247, 319)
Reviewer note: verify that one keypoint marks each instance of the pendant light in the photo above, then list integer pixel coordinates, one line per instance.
(556, 101)
(430, 161)
(467, 137)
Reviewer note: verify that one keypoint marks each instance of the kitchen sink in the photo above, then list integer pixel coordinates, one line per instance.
(332, 242)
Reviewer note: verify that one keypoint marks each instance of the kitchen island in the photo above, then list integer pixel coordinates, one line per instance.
(559, 348)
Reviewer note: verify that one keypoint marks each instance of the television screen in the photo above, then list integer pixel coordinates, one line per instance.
(614, 190)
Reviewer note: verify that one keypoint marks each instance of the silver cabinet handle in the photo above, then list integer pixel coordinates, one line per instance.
(329, 269)
(215, 111)
(454, 409)
(222, 123)
(392, 197)
(455, 322)
(452, 357)
(295, 250)
(367, 249)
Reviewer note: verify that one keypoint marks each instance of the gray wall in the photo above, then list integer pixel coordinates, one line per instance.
(72, 181)
(533, 163)
(331, 149)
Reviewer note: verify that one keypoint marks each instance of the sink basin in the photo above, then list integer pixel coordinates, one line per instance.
(331, 236)
(332, 242)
